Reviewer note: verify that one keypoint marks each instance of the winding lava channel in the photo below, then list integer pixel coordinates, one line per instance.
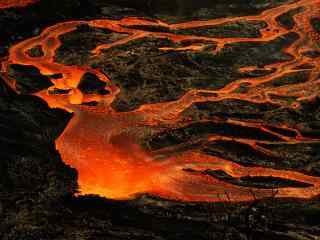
(120, 168)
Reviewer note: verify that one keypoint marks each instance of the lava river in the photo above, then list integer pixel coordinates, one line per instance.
(104, 144)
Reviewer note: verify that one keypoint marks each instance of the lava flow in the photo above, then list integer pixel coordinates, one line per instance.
(16, 3)
(103, 144)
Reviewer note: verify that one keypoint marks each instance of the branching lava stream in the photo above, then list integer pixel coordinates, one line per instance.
(103, 144)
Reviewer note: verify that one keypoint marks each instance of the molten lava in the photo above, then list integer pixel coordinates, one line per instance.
(15, 3)
(103, 144)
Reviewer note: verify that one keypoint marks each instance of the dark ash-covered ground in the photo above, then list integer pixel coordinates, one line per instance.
(37, 190)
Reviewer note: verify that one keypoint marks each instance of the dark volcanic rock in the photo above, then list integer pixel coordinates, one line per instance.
(245, 29)
(168, 75)
(28, 78)
(87, 39)
(19, 23)
(286, 19)
(36, 52)
(5, 90)
(91, 84)
(183, 10)
(303, 156)
(257, 182)
(33, 176)
(315, 22)
(28, 130)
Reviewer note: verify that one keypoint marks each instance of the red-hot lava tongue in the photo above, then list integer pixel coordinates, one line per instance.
(120, 168)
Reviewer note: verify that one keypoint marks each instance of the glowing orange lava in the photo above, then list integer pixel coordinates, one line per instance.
(102, 144)
(15, 3)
